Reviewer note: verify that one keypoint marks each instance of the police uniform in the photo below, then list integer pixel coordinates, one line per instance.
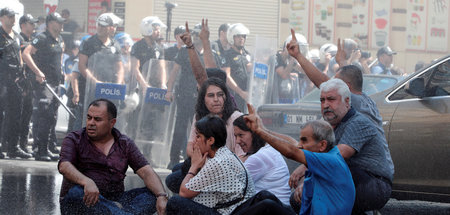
(143, 52)
(101, 58)
(48, 59)
(11, 76)
(101, 62)
(27, 99)
(171, 52)
(238, 70)
(218, 48)
(152, 113)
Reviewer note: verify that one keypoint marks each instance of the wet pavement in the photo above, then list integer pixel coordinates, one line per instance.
(32, 187)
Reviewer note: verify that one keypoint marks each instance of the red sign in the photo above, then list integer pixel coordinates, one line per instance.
(50, 6)
(94, 8)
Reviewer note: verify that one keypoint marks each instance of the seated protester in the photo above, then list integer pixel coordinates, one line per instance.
(367, 147)
(265, 164)
(213, 98)
(217, 181)
(328, 186)
(94, 162)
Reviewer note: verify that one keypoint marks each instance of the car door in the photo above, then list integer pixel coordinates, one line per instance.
(419, 133)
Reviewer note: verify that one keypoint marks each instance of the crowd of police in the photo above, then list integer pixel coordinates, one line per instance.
(39, 59)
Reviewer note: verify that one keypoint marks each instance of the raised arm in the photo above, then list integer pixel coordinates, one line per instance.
(196, 65)
(314, 74)
(208, 56)
(280, 142)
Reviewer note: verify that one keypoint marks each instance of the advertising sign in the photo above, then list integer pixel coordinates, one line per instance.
(416, 24)
(437, 31)
(381, 19)
(323, 21)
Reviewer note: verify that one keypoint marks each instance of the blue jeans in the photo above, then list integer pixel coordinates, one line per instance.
(178, 205)
(135, 201)
(372, 192)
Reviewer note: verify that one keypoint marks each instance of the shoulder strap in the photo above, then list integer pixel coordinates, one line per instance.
(234, 201)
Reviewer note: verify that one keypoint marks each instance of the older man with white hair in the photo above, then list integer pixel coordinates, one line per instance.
(361, 145)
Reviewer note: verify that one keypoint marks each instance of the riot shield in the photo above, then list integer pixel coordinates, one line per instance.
(155, 121)
(261, 81)
(107, 68)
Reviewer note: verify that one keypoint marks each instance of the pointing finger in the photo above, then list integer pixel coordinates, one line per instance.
(293, 35)
(187, 27)
(251, 109)
(339, 43)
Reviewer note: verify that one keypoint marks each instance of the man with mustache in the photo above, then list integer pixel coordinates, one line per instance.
(355, 126)
(94, 162)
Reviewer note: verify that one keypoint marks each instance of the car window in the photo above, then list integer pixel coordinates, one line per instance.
(437, 82)
(371, 85)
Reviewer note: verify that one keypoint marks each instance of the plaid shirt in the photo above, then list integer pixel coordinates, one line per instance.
(358, 132)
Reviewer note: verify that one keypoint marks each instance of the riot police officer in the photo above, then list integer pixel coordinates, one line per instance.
(146, 48)
(44, 57)
(100, 44)
(238, 64)
(221, 44)
(26, 23)
(12, 78)
(142, 54)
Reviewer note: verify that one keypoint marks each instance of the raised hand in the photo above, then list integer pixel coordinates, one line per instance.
(198, 159)
(252, 119)
(340, 54)
(204, 33)
(186, 36)
(292, 47)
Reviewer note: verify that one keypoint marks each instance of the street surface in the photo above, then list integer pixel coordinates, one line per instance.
(32, 187)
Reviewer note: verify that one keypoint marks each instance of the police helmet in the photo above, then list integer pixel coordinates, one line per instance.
(123, 39)
(236, 29)
(302, 43)
(197, 28)
(148, 23)
(327, 48)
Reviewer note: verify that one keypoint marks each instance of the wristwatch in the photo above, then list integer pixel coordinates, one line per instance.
(162, 194)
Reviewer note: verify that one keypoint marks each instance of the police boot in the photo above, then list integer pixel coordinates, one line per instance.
(17, 152)
(52, 147)
(42, 152)
(23, 143)
(53, 157)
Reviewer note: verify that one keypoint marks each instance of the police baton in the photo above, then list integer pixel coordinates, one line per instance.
(59, 99)
(373, 62)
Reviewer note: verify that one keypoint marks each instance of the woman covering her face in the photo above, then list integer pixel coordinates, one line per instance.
(265, 164)
(217, 181)
(213, 98)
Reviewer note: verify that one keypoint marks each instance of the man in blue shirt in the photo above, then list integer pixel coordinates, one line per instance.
(385, 59)
(328, 186)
